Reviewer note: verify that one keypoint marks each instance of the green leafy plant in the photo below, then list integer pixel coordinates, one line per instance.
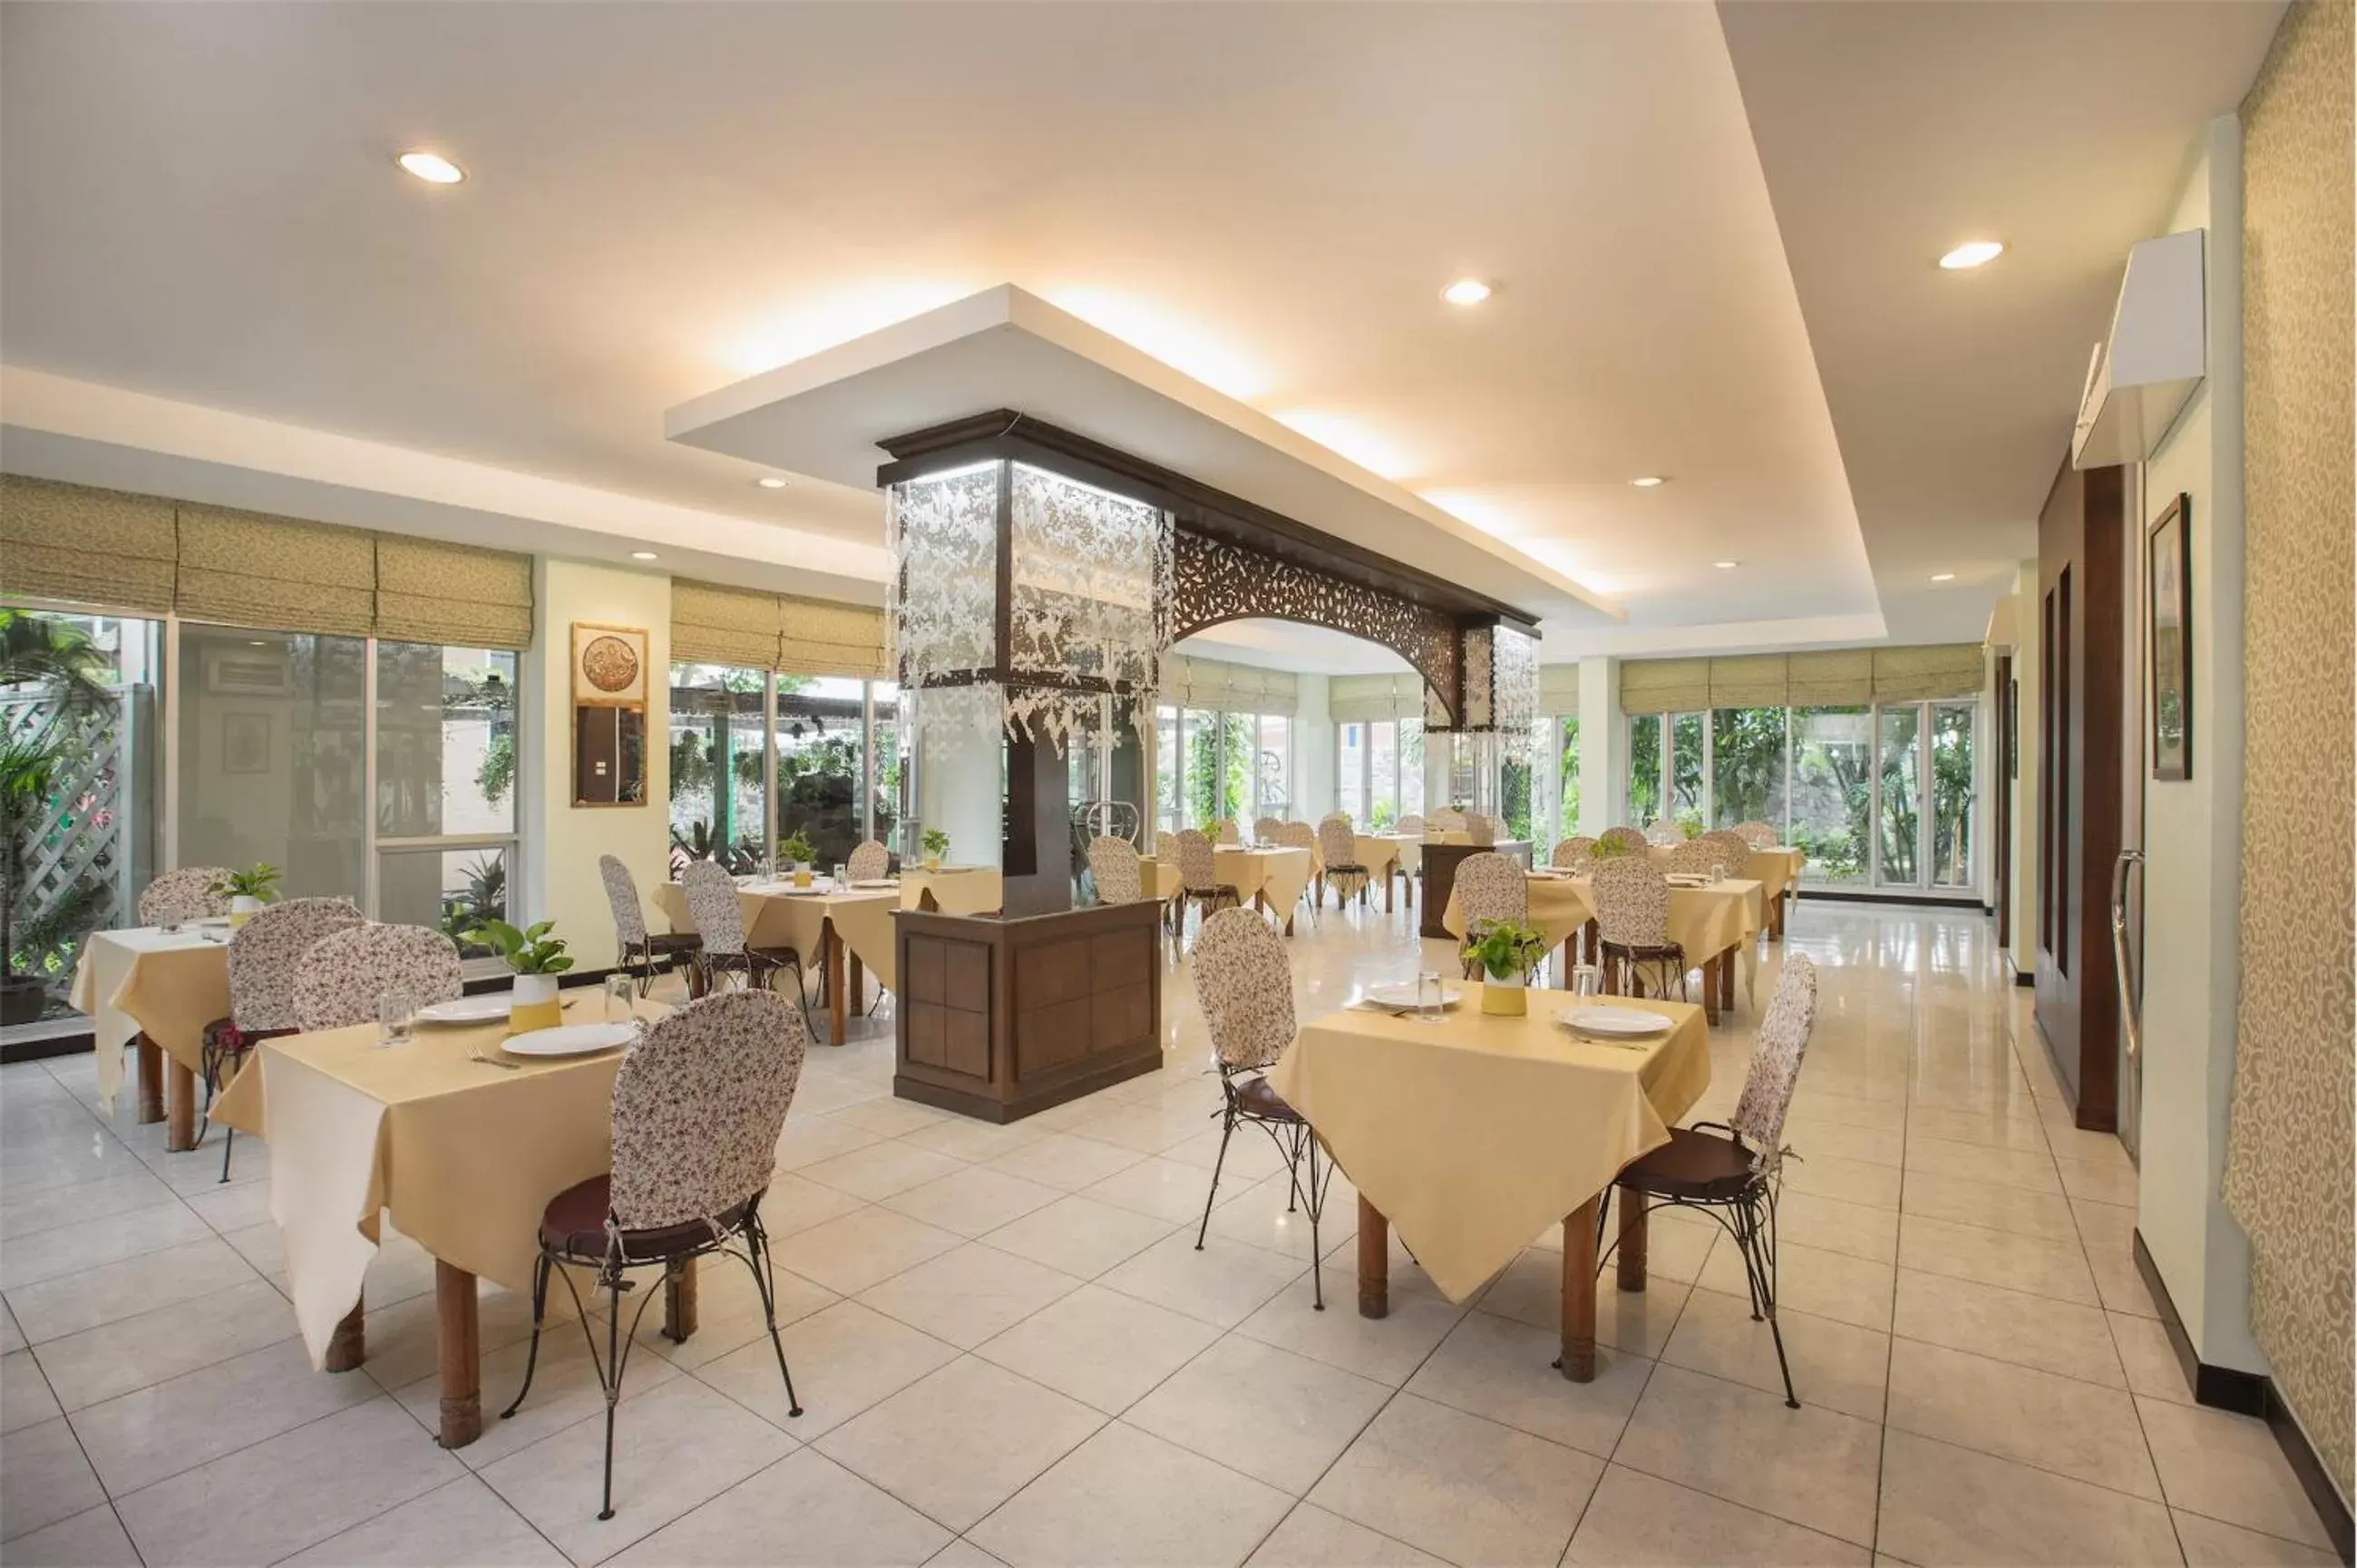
(68, 672)
(528, 952)
(1608, 849)
(485, 897)
(937, 843)
(1690, 826)
(1506, 948)
(259, 880)
(797, 850)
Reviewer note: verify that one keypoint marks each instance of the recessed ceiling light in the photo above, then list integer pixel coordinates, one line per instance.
(1943, 576)
(771, 482)
(1727, 565)
(1466, 291)
(643, 554)
(1647, 481)
(1978, 253)
(257, 643)
(432, 167)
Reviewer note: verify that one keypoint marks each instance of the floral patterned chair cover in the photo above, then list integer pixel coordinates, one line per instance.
(1338, 848)
(1757, 836)
(1632, 919)
(180, 897)
(635, 949)
(1489, 887)
(1573, 855)
(1734, 852)
(1624, 841)
(871, 861)
(1113, 863)
(342, 979)
(264, 958)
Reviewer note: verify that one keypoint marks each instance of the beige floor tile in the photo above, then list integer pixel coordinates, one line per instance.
(93, 1243)
(348, 1467)
(1506, 1371)
(44, 1478)
(862, 1249)
(965, 1296)
(879, 1170)
(2105, 1227)
(2031, 1170)
(464, 1524)
(2148, 1359)
(1994, 1132)
(1061, 1160)
(1832, 1226)
(46, 1208)
(972, 1201)
(1311, 1538)
(2071, 1142)
(1387, 1349)
(1636, 1518)
(93, 1538)
(1958, 1201)
(1277, 1416)
(1258, 1217)
(2228, 1468)
(2119, 1283)
(1813, 1104)
(1839, 1366)
(25, 1396)
(1811, 1466)
(804, 1512)
(1463, 1488)
(809, 1139)
(962, 1553)
(843, 1359)
(1127, 1500)
(405, 1340)
(1530, 1291)
(1166, 1190)
(1944, 1507)
(1143, 1130)
(794, 1203)
(1832, 1140)
(2007, 1326)
(1080, 1236)
(1851, 1181)
(132, 1352)
(728, 1311)
(2055, 1269)
(2213, 1543)
(1824, 1284)
(891, 1118)
(1249, 1159)
(2057, 1423)
(565, 1391)
(958, 1443)
(2099, 1182)
(157, 1432)
(12, 1335)
(1223, 1283)
(976, 1140)
(1100, 1347)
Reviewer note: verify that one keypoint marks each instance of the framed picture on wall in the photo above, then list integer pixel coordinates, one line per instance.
(2169, 566)
(609, 665)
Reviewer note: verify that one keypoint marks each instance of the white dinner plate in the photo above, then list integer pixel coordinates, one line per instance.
(874, 882)
(1627, 1022)
(477, 1009)
(570, 1040)
(1401, 998)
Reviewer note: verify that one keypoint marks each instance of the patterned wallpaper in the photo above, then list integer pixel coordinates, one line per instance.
(2287, 1166)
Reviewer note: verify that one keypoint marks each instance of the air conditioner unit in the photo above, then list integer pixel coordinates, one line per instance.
(2141, 375)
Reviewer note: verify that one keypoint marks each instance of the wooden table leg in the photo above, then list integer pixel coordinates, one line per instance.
(151, 1080)
(348, 1346)
(180, 1107)
(1728, 962)
(1374, 1260)
(1710, 989)
(679, 1300)
(1390, 893)
(837, 980)
(857, 972)
(1631, 1253)
(1579, 1362)
(461, 1346)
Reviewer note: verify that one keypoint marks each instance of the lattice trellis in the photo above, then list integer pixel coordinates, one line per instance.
(83, 837)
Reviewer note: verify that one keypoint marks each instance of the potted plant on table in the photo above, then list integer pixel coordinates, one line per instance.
(937, 848)
(798, 852)
(536, 959)
(1507, 951)
(248, 890)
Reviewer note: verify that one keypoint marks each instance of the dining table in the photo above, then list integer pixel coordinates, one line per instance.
(1717, 924)
(459, 1144)
(846, 930)
(1776, 869)
(1270, 879)
(155, 988)
(1470, 1132)
(953, 889)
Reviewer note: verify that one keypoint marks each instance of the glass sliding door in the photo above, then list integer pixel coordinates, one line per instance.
(1832, 796)
(718, 808)
(445, 768)
(822, 764)
(1898, 857)
(1949, 738)
(1644, 768)
(1686, 769)
(1273, 768)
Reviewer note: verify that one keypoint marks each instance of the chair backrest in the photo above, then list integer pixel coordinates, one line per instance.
(1632, 902)
(1757, 836)
(1573, 855)
(870, 861)
(342, 979)
(1296, 836)
(1113, 863)
(1624, 841)
(1410, 825)
(1338, 846)
(1692, 857)
(1485, 829)
(266, 956)
(1448, 820)
(711, 904)
(1245, 986)
(1227, 831)
(1665, 831)
(1199, 869)
(698, 1105)
(1491, 887)
(1776, 1053)
(1265, 829)
(622, 897)
(179, 897)
(1734, 853)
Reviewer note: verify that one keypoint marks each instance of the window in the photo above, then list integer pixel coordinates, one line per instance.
(1411, 767)
(445, 770)
(1686, 769)
(718, 807)
(823, 764)
(1378, 771)
(1273, 768)
(1644, 768)
(1831, 790)
(883, 764)
(1382, 776)
(1515, 801)
(1747, 766)
(1952, 794)
(1567, 816)
(1168, 796)
(1350, 772)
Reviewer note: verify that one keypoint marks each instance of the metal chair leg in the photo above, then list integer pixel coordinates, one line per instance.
(1227, 1131)
(1316, 1249)
(756, 1245)
(539, 1312)
(613, 1386)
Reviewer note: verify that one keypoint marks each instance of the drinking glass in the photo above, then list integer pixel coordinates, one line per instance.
(396, 1016)
(618, 1000)
(1430, 998)
(1586, 980)
(841, 876)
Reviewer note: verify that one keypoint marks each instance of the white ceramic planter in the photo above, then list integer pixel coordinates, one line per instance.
(533, 1004)
(526, 989)
(245, 906)
(1503, 996)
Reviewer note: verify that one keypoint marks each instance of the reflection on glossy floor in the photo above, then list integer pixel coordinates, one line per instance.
(1007, 1335)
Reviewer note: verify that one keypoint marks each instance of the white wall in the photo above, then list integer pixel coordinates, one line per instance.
(2193, 829)
(1313, 750)
(1603, 742)
(562, 841)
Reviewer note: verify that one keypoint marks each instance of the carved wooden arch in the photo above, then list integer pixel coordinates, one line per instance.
(1217, 580)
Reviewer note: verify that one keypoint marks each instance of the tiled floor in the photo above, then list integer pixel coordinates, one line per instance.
(1010, 1350)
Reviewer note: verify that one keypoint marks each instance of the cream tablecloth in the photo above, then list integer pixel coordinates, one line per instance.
(778, 916)
(956, 889)
(1559, 907)
(1473, 1134)
(462, 1155)
(1712, 919)
(170, 984)
(1278, 876)
(1774, 869)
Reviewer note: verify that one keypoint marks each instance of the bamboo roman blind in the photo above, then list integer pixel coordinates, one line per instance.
(1831, 678)
(1215, 686)
(1371, 699)
(1560, 691)
(715, 625)
(89, 546)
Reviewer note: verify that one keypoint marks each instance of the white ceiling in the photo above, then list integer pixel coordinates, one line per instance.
(201, 208)
(1304, 649)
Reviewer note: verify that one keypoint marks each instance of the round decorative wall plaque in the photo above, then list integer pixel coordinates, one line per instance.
(609, 663)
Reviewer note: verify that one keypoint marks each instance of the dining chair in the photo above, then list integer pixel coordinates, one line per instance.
(635, 949)
(698, 1104)
(1632, 919)
(1245, 986)
(1757, 834)
(1624, 841)
(1301, 835)
(1114, 864)
(1338, 847)
(1695, 858)
(342, 979)
(1489, 887)
(1199, 877)
(1230, 835)
(1665, 832)
(180, 897)
(265, 957)
(1410, 826)
(1265, 830)
(1734, 852)
(1573, 855)
(713, 905)
(1732, 1170)
(871, 861)
(1448, 820)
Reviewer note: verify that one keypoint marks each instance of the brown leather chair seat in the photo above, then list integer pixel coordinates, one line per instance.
(1692, 1164)
(674, 942)
(1256, 1098)
(574, 1224)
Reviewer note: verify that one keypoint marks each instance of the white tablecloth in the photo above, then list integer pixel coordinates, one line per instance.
(106, 963)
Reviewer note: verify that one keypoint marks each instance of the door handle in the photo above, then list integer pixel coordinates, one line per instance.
(2128, 860)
